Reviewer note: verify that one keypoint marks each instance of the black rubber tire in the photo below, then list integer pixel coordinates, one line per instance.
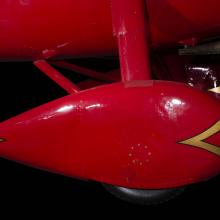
(143, 197)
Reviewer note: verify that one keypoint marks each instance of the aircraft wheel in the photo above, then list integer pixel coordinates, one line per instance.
(143, 197)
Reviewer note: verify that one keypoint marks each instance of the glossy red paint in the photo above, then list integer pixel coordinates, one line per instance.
(38, 29)
(85, 71)
(32, 30)
(131, 28)
(122, 134)
(184, 22)
(56, 76)
(89, 83)
(132, 134)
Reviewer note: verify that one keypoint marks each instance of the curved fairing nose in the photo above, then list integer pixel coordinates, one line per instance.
(141, 134)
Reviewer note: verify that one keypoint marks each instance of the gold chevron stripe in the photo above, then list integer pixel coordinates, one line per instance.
(216, 90)
(199, 140)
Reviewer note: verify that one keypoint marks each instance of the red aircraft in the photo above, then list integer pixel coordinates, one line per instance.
(145, 131)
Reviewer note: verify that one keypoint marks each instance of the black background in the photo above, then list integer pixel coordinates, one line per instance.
(22, 188)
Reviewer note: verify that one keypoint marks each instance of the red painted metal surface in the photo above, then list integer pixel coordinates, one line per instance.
(85, 71)
(38, 29)
(65, 83)
(89, 83)
(136, 134)
(103, 135)
(185, 22)
(131, 28)
(54, 28)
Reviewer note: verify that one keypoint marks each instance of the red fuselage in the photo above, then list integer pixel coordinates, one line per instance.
(139, 133)
(41, 29)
